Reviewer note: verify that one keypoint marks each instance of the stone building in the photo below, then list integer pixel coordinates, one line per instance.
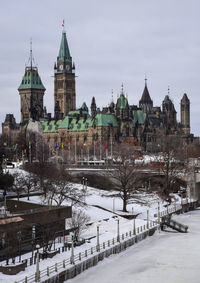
(82, 129)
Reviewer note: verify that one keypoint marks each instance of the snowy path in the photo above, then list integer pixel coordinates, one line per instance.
(167, 257)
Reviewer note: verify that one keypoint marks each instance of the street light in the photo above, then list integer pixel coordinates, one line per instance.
(118, 235)
(113, 204)
(72, 250)
(37, 264)
(134, 227)
(85, 190)
(83, 183)
(147, 218)
(159, 215)
(98, 245)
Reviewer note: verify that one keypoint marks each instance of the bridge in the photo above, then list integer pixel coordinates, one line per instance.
(193, 179)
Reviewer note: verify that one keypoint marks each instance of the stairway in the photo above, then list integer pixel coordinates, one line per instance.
(175, 225)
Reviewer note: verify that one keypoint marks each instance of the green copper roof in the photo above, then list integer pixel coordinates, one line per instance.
(51, 127)
(122, 101)
(84, 107)
(138, 116)
(65, 123)
(31, 79)
(105, 120)
(81, 125)
(166, 98)
(75, 112)
(64, 54)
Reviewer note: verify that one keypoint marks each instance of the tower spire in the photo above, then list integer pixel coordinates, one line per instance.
(168, 90)
(31, 53)
(31, 60)
(145, 79)
(122, 88)
(112, 96)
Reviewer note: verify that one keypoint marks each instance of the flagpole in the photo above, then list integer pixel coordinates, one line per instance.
(100, 151)
(69, 152)
(75, 151)
(111, 145)
(94, 151)
(63, 25)
(30, 152)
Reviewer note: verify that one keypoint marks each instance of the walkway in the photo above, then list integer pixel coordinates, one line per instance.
(168, 257)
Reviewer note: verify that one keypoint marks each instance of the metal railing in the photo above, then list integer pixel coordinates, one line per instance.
(89, 252)
(103, 246)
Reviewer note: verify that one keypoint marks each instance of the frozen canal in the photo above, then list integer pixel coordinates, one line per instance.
(168, 257)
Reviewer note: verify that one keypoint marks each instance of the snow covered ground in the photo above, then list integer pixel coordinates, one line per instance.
(108, 224)
(168, 257)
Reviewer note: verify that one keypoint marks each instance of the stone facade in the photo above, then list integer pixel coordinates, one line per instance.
(141, 125)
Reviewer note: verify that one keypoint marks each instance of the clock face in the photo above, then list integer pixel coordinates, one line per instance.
(67, 68)
(61, 67)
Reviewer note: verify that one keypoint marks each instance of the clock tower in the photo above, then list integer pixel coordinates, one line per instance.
(64, 80)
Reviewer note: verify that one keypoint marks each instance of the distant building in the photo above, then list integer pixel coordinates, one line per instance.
(141, 125)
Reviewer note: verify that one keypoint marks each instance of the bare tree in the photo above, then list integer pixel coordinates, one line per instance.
(78, 223)
(59, 188)
(17, 186)
(43, 171)
(123, 171)
(171, 162)
(30, 183)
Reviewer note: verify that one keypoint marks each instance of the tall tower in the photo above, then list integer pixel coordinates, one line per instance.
(185, 114)
(145, 102)
(31, 91)
(169, 109)
(64, 79)
(93, 108)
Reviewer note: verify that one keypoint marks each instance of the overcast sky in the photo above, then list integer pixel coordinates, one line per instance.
(111, 41)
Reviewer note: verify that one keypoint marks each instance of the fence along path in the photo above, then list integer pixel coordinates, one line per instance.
(109, 247)
(137, 235)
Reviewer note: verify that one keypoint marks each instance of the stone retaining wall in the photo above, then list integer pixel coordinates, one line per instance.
(92, 261)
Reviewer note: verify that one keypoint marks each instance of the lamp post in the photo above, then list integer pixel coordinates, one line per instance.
(134, 227)
(113, 204)
(72, 250)
(147, 218)
(118, 235)
(159, 215)
(83, 183)
(85, 190)
(4, 194)
(98, 245)
(37, 264)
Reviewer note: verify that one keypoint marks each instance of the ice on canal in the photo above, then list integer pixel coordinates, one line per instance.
(167, 257)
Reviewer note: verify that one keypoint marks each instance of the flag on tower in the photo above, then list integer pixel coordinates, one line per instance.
(63, 23)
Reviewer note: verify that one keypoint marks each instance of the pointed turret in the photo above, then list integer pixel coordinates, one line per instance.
(170, 111)
(145, 102)
(31, 91)
(93, 108)
(64, 53)
(122, 101)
